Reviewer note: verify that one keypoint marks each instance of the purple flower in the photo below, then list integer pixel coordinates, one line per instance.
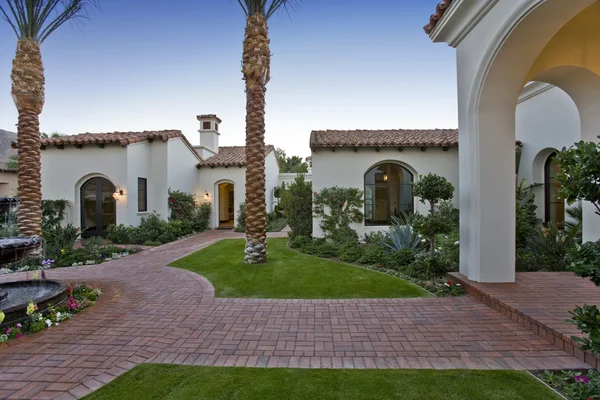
(19, 325)
(582, 379)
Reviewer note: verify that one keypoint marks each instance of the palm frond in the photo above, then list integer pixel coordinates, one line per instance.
(37, 19)
(266, 8)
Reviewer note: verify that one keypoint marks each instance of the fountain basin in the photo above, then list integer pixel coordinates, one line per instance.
(15, 249)
(45, 293)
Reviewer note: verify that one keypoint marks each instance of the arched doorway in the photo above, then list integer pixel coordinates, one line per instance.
(98, 207)
(226, 205)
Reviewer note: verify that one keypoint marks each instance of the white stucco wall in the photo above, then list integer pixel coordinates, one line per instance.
(182, 172)
(346, 168)
(546, 122)
(209, 180)
(271, 178)
(65, 171)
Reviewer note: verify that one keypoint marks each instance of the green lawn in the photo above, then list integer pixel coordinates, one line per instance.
(148, 381)
(290, 275)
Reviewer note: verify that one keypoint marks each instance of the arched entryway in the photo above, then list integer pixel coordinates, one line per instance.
(226, 205)
(98, 207)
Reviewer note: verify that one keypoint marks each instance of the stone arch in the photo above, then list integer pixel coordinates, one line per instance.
(487, 125)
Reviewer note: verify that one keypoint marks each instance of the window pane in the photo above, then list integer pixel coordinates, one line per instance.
(89, 206)
(109, 206)
(142, 194)
(555, 207)
(381, 205)
(388, 191)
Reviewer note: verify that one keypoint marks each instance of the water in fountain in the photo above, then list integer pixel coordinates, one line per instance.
(15, 296)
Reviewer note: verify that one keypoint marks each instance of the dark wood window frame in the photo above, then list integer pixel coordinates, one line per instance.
(142, 195)
(206, 125)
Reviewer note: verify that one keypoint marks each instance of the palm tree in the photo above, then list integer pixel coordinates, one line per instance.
(33, 21)
(256, 60)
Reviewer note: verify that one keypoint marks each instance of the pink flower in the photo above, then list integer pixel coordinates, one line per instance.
(8, 331)
(19, 325)
(19, 335)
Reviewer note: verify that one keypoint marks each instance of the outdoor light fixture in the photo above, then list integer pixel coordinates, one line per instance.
(206, 195)
(118, 192)
(385, 178)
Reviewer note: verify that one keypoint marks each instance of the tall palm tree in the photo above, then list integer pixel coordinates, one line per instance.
(256, 60)
(33, 21)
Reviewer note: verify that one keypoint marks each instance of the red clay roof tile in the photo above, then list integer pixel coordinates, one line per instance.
(230, 156)
(385, 138)
(440, 9)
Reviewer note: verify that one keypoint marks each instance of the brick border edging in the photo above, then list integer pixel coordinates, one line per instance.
(565, 343)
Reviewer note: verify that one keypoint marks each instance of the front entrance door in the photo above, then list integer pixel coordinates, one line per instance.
(226, 205)
(98, 207)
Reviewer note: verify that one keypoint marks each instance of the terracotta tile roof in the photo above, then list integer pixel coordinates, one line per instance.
(205, 116)
(440, 9)
(230, 156)
(121, 138)
(385, 138)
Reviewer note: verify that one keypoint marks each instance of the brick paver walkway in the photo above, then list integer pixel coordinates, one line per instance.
(540, 302)
(153, 313)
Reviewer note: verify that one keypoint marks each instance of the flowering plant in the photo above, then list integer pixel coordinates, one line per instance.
(575, 385)
(80, 297)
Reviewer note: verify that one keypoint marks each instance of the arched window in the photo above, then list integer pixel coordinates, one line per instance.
(388, 191)
(554, 207)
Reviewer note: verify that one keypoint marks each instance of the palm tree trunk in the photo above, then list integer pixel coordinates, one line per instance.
(256, 69)
(28, 94)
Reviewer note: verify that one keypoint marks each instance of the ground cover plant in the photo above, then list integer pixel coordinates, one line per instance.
(290, 275)
(80, 296)
(151, 381)
(575, 385)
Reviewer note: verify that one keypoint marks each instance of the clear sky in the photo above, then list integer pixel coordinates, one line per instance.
(150, 64)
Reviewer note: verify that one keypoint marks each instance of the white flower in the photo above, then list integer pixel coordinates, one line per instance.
(58, 315)
(423, 240)
(48, 322)
(56, 324)
(456, 243)
(40, 317)
(458, 284)
(446, 284)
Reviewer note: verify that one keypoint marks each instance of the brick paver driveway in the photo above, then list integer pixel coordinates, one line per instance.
(153, 313)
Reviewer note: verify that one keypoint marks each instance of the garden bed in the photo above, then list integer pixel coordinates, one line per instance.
(574, 384)
(79, 297)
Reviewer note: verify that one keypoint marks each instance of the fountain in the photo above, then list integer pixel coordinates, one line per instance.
(15, 296)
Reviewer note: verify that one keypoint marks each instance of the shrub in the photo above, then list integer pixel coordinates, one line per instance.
(325, 250)
(552, 245)
(241, 219)
(59, 239)
(351, 253)
(338, 208)
(300, 241)
(151, 243)
(275, 223)
(576, 385)
(376, 237)
(181, 205)
(296, 203)
(427, 266)
(527, 222)
(118, 234)
(400, 258)
(53, 212)
(450, 248)
(374, 254)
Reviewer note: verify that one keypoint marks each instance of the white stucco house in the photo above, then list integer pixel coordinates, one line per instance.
(384, 163)
(120, 177)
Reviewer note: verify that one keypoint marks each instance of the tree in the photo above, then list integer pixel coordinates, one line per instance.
(433, 188)
(293, 164)
(297, 207)
(12, 162)
(579, 177)
(33, 21)
(256, 60)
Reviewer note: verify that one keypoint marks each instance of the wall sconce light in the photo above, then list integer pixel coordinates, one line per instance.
(118, 192)
(206, 196)
(385, 177)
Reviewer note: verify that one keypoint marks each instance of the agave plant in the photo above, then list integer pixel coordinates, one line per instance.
(402, 235)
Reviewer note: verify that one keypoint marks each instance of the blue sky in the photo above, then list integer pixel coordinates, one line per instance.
(150, 64)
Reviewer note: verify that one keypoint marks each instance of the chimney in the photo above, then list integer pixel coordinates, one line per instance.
(209, 135)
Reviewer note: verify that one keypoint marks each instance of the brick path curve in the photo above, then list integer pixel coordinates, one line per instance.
(153, 313)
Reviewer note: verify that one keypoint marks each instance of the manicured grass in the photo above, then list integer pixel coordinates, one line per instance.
(290, 275)
(148, 381)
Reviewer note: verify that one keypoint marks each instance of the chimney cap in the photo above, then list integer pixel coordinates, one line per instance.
(208, 116)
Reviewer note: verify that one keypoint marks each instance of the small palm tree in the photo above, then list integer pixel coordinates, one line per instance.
(33, 21)
(256, 60)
